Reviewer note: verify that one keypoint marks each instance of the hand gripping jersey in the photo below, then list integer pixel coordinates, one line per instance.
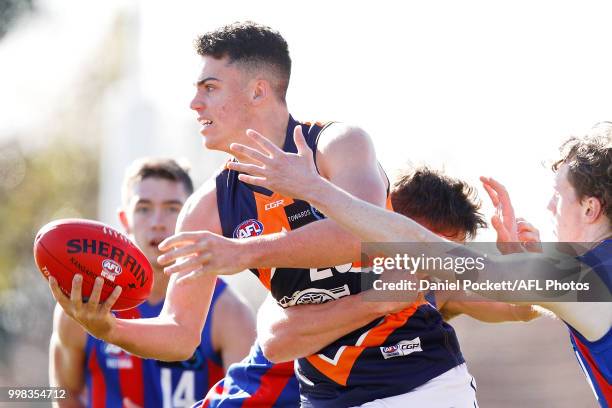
(389, 356)
(113, 374)
(595, 357)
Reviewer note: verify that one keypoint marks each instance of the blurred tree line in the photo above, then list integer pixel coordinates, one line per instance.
(47, 172)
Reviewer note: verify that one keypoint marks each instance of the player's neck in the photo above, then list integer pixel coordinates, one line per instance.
(272, 123)
(599, 233)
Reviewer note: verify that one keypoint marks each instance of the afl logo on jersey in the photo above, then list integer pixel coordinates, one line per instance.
(248, 228)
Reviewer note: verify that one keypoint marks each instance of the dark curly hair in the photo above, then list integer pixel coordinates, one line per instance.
(589, 162)
(443, 203)
(252, 45)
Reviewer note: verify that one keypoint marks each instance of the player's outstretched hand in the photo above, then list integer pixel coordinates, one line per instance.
(510, 229)
(529, 235)
(201, 252)
(290, 174)
(95, 317)
(504, 220)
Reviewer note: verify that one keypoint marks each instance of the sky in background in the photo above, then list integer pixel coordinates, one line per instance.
(474, 87)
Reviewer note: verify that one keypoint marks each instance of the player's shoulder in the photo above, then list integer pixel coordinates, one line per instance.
(339, 133)
(67, 331)
(343, 144)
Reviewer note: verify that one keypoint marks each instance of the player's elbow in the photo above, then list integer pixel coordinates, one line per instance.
(183, 348)
(275, 349)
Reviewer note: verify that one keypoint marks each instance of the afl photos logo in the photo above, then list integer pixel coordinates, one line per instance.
(248, 228)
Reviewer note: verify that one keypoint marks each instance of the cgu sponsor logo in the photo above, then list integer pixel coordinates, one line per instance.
(275, 204)
(248, 228)
(403, 348)
(110, 269)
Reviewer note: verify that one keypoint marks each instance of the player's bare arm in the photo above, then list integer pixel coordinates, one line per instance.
(172, 336)
(233, 328)
(372, 223)
(591, 319)
(287, 334)
(346, 157)
(67, 358)
(299, 331)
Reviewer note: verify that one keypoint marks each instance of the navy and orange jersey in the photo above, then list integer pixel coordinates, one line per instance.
(595, 357)
(390, 356)
(255, 382)
(111, 374)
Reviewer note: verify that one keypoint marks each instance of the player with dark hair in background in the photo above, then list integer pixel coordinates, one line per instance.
(100, 374)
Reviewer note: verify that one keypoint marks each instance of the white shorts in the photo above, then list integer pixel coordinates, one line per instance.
(456, 388)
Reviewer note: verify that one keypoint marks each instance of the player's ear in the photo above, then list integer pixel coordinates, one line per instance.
(591, 209)
(261, 90)
(124, 220)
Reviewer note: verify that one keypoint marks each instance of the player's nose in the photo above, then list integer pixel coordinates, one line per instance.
(157, 221)
(196, 103)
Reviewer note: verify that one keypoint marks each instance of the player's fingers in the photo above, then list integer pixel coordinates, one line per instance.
(76, 292)
(491, 193)
(192, 277)
(300, 142)
(189, 265)
(528, 237)
(245, 168)
(264, 142)
(523, 225)
(180, 239)
(58, 294)
(533, 246)
(184, 251)
(246, 152)
(498, 225)
(94, 298)
(110, 301)
(256, 181)
(499, 188)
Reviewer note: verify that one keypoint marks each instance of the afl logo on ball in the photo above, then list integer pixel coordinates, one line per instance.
(110, 269)
(248, 228)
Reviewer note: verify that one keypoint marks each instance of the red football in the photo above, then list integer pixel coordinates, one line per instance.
(64, 248)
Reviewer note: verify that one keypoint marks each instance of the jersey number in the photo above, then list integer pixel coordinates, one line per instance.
(184, 393)
(323, 273)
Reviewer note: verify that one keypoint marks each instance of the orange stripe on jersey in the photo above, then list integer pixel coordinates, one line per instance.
(339, 368)
(389, 204)
(271, 214)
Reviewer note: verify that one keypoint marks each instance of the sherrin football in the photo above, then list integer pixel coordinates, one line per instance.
(66, 247)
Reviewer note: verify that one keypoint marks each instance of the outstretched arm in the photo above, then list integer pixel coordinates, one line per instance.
(175, 333)
(291, 173)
